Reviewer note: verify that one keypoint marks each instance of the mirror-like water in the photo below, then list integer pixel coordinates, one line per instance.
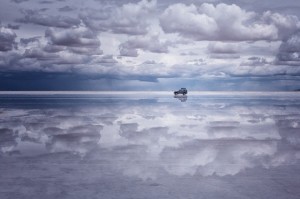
(218, 145)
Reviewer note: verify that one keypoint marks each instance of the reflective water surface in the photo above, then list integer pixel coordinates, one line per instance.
(222, 145)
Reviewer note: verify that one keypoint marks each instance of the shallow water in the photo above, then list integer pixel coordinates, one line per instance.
(149, 145)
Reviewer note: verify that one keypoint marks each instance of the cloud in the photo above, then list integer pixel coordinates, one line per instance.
(35, 17)
(40, 55)
(289, 51)
(26, 41)
(121, 20)
(285, 24)
(226, 23)
(224, 56)
(255, 61)
(128, 52)
(151, 44)
(105, 60)
(7, 39)
(222, 48)
(66, 9)
(72, 37)
(9, 60)
(150, 62)
(77, 40)
(13, 26)
(189, 53)
(45, 2)
(61, 50)
(19, 1)
(187, 41)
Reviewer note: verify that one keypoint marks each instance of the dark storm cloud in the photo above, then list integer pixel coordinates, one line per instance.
(72, 80)
(35, 17)
(7, 39)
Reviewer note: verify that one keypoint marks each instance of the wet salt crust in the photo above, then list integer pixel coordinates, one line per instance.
(149, 145)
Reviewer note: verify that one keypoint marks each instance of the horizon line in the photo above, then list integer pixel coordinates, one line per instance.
(140, 92)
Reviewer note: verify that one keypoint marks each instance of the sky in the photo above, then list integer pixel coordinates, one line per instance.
(239, 45)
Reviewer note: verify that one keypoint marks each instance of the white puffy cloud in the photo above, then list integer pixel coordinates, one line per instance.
(285, 24)
(225, 23)
(130, 18)
(187, 21)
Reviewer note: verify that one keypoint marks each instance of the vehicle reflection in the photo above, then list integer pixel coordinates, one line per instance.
(182, 98)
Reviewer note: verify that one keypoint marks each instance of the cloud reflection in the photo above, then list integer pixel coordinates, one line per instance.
(149, 138)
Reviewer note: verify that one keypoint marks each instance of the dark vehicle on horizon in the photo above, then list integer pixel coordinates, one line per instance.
(182, 91)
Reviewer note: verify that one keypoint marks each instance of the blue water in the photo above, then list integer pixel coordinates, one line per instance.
(149, 145)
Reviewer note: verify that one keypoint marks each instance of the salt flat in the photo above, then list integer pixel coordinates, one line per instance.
(149, 145)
